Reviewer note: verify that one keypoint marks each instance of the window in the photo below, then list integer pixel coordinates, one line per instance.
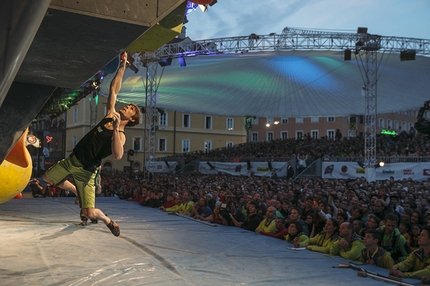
(299, 134)
(299, 120)
(208, 146)
(163, 119)
(75, 115)
(331, 134)
(314, 134)
(185, 145)
(230, 123)
(254, 120)
(396, 125)
(137, 143)
(269, 135)
(254, 136)
(186, 120)
(381, 123)
(389, 124)
(208, 122)
(162, 145)
(74, 141)
(284, 120)
(315, 119)
(229, 144)
(330, 119)
(404, 126)
(284, 135)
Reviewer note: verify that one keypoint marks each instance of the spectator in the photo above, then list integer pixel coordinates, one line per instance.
(417, 265)
(323, 241)
(185, 207)
(380, 210)
(233, 211)
(253, 219)
(281, 230)
(152, 200)
(413, 239)
(392, 240)
(36, 188)
(358, 227)
(170, 202)
(215, 216)
(268, 224)
(201, 209)
(295, 217)
(349, 246)
(373, 254)
(295, 235)
(405, 229)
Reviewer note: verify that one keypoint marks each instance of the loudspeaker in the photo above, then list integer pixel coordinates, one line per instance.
(347, 55)
(408, 55)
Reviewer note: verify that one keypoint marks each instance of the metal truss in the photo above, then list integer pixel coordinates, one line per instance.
(363, 44)
(290, 38)
(151, 86)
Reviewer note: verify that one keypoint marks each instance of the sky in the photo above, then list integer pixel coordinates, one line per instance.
(228, 18)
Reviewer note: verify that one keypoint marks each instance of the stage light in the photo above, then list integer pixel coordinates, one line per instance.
(267, 124)
(165, 62)
(276, 122)
(182, 62)
(132, 67)
(380, 164)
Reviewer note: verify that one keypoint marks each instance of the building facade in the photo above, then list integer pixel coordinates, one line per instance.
(266, 129)
(176, 132)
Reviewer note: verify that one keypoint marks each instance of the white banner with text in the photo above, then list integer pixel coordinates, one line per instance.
(399, 171)
(243, 168)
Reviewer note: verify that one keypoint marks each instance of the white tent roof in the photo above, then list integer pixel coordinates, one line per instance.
(284, 84)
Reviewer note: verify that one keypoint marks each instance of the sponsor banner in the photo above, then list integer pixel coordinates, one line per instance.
(241, 168)
(163, 167)
(399, 171)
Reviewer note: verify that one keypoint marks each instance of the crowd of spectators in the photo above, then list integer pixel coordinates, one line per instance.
(386, 223)
(344, 148)
(330, 216)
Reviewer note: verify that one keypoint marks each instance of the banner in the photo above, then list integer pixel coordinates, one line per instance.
(242, 168)
(399, 171)
(163, 167)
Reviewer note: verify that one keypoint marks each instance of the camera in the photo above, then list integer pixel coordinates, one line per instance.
(224, 210)
(423, 125)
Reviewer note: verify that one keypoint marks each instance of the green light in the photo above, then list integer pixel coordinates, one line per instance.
(389, 132)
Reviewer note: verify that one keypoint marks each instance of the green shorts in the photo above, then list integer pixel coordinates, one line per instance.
(84, 180)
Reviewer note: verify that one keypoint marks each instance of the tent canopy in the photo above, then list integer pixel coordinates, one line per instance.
(280, 84)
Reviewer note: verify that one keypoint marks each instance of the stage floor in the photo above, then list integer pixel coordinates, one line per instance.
(41, 244)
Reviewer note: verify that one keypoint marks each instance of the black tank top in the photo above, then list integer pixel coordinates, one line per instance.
(96, 145)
